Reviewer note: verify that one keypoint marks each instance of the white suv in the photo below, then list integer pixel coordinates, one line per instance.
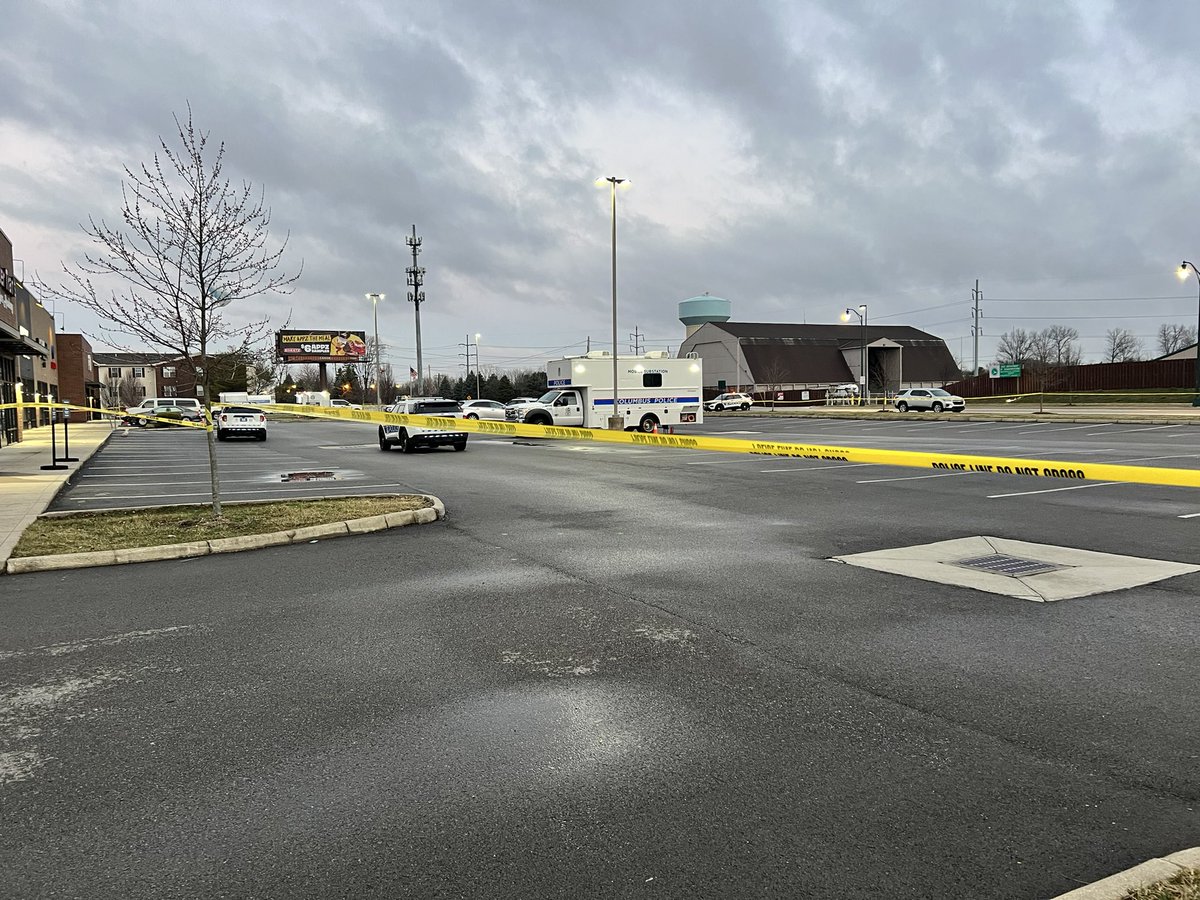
(934, 399)
(730, 401)
(409, 437)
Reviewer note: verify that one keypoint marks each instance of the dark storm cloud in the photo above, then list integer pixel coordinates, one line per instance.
(820, 154)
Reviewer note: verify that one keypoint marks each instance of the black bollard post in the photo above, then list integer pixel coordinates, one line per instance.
(66, 457)
(53, 446)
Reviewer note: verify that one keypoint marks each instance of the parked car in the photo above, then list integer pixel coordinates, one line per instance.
(240, 421)
(730, 401)
(188, 407)
(165, 416)
(483, 409)
(344, 404)
(517, 401)
(934, 399)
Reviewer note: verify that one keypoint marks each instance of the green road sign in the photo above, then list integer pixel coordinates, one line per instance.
(1010, 370)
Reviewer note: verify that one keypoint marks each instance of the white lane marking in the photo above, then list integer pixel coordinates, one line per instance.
(814, 468)
(1149, 458)
(1151, 428)
(108, 640)
(916, 477)
(1021, 425)
(1190, 516)
(741, 458)
(1071, 428)
(1074, 487)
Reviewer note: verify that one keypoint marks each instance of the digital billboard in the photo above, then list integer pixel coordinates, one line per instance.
(320, 346)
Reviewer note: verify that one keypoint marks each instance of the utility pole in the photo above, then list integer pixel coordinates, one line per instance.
(976, 324)
(467, 354)
(636, 337)
(416, 276)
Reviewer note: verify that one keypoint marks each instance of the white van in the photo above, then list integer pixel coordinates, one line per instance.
(190, 406)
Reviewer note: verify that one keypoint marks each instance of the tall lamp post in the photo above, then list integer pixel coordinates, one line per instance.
(616, 422)
(375, 298)
(1182, 272)
(861, 312)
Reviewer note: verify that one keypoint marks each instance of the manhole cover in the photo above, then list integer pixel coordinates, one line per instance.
(1013, 566)
(307, 476)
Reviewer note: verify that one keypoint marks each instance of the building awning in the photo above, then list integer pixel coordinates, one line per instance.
(13, 343)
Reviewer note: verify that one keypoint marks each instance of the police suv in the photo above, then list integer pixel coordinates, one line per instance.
(409, 437)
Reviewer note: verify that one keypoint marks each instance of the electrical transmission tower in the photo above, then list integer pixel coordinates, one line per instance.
(416, 277)
(637, 337)
(976, 324)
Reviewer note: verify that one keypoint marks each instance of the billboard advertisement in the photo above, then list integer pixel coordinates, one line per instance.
(320, 346)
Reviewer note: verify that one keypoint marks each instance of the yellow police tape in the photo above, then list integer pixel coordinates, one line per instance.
(939, 462)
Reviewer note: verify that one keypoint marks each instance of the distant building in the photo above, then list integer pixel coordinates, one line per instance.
(795, 358)
(1185, 353)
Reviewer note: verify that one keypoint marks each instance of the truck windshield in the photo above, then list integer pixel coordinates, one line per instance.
(549, 397)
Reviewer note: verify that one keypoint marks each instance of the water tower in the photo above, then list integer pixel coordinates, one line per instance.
(695, 312)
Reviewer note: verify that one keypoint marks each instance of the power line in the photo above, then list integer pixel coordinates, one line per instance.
(1080, 299)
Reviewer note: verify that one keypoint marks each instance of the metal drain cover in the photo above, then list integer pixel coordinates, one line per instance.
(1013, 566)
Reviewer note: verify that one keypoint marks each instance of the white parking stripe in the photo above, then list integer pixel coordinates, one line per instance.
(1070, 428)
(1151, 428)
(915, 477)
(1190, 516)
(1074, 487)
(1150, 458)
(814, 468)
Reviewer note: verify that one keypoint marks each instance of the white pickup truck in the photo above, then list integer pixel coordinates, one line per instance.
(409, 437)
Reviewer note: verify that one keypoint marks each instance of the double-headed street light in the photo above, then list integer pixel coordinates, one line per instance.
(864, 395)
(375, 298)
(616, 421)
(1182, 272)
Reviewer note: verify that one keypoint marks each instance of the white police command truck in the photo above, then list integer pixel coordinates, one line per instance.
(653, 391)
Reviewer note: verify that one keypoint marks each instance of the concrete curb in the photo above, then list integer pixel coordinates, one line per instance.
(367, 525)
(874, 415)
(1152, 870)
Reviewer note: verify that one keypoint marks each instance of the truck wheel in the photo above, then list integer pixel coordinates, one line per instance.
(140, 423)
(384, 443)
(902, 406)
(648, 424)
(538, 418)
(220, 435)
(937, 407)
(459, 448)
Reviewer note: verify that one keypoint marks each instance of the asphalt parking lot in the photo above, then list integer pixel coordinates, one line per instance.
(611, 670)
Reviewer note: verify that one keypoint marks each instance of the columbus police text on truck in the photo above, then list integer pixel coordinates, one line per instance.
(653, 391)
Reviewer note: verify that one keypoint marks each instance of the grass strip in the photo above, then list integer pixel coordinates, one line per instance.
(1184, 886)
(125, 529)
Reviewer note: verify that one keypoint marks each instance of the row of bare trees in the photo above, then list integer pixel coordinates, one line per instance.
(1058, 345)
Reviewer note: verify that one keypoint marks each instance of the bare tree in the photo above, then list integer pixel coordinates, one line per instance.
(1056, 346)
(1172, 338)
(122, 391)
(1122, 345)
(191, 244)
(1015, 346)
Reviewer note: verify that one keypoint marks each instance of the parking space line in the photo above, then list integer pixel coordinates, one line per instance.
(814, 468)
(1151, 428)
(1150, 458)
(914, 477)
(1070, 428)
(1190, 516)
(1074, 487)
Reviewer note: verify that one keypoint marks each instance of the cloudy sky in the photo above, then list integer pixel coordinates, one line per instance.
(792, 157)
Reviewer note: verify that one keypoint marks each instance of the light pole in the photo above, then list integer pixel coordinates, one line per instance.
(478, 394)
(1182, 273)
(375, 298)
(616, 422)
(861, 312)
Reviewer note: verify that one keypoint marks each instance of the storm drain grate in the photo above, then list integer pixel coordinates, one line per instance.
(1013, 566)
